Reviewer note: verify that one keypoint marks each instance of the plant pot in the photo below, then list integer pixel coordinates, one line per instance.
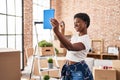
(50, 65)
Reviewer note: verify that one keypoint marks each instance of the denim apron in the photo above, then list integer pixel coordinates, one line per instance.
(67, 71)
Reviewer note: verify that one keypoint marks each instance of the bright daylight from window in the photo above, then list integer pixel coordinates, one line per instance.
(43, 34)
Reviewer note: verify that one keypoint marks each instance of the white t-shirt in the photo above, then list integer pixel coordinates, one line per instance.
(77, 56)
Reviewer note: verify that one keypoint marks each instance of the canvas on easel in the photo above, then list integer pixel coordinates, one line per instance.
(48, 14)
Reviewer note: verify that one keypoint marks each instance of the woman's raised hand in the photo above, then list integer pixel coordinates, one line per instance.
(55, 24)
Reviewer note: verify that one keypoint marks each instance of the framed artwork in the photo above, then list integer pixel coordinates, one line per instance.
(97, 46)
(112, 50)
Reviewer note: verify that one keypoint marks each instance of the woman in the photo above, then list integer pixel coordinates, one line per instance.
(75, 67)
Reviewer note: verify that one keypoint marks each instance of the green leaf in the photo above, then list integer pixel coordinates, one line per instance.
(46, 77)
(50, 60)
(44, 43)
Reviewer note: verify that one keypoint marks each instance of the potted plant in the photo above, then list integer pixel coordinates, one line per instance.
(50, 63)
(44, 43)
(46, 77)
(45, 48)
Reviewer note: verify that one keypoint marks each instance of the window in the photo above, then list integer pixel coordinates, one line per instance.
(38, 7)
(11, 25)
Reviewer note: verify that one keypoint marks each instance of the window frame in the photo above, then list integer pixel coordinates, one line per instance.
(14, 35)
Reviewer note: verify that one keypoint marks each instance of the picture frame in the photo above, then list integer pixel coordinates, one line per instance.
(113, 50)
(97, 46)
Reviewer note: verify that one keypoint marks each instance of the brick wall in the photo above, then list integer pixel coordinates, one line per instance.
(28, 19)
(104, 14)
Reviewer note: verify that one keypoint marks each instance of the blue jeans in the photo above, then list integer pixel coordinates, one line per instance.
(76, 75)
(77, 71)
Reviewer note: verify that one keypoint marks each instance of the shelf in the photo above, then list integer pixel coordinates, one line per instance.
(43, 57)
(93, 55)
(111, 57)
(103, 56)
(37, 77)
(49, 69)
